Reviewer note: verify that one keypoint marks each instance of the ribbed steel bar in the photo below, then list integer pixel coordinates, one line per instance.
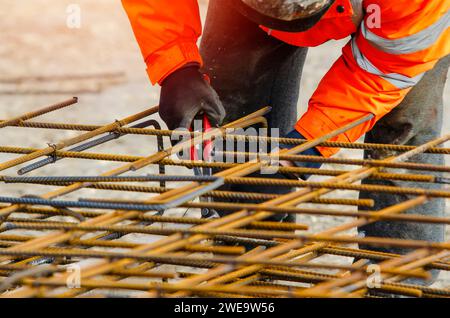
(229, 180)
(223, 165)
(233, 180)
(345, 161)
(196, 248)
(289, 141)
(163, 287)
(74, 179)
(252, 196)
(339, 186)
(374, 215)
(88, 145)
(34, 114)
(216, 183)
(277, 226)
(64, 180)
(258, 234)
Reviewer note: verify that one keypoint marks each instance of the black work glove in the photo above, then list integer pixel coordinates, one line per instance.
(184, 95)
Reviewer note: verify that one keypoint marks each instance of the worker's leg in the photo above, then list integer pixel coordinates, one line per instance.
(250, 70)
(416, 121)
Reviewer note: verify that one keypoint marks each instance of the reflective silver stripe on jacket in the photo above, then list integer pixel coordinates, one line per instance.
(398, 80)
(409, 44)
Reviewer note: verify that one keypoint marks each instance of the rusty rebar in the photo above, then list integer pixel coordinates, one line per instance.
(247, 138)
(224, 165)
(42, 111)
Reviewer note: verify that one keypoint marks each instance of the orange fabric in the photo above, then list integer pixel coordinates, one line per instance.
(345, 94)
(167, 33)
(334, 25)
(401, 18)
(348, 92)
(406, 64)
(414, 63)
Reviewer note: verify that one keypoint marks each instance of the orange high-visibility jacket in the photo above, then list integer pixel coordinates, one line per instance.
(397, 42)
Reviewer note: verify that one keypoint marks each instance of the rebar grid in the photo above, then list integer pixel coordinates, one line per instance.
(52, 246)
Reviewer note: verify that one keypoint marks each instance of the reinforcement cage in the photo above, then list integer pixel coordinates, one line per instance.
(52, 246)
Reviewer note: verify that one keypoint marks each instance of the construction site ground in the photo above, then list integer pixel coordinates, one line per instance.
(35, 41)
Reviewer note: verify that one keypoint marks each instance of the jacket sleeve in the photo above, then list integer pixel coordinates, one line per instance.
(378, 67)
(167, 33)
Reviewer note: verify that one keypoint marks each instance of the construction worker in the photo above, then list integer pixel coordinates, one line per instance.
(394, 67)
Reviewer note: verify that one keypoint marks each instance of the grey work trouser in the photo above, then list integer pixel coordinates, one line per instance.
(250, 69)
(417, 120)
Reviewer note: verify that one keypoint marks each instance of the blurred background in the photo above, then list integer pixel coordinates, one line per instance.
(44, 60)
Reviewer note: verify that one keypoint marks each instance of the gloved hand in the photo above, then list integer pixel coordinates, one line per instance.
(185, 94)
(310, 152)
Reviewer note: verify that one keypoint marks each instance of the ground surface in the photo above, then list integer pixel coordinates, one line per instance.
(36, 41)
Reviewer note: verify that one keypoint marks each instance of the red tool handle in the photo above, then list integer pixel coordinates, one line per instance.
(207, 145)
(207, 149)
